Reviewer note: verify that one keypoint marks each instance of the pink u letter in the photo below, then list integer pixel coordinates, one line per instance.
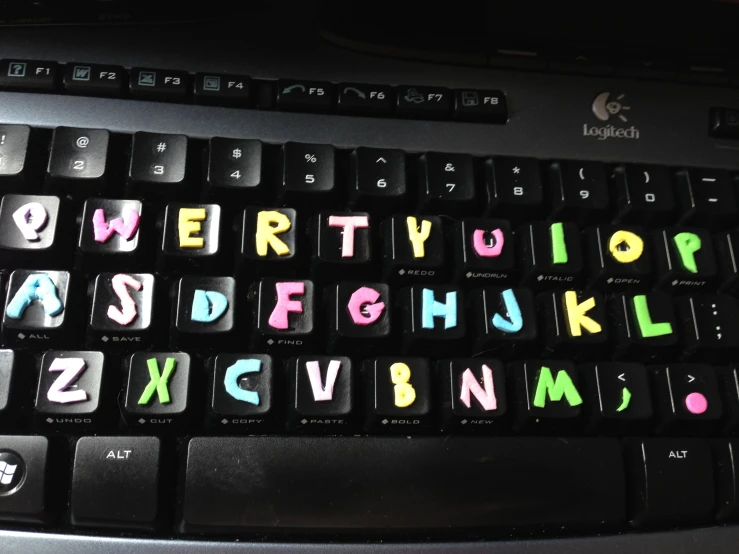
(484, 250)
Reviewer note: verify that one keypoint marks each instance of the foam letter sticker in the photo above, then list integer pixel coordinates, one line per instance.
(158, 383)
(127, 312)
(647, 327)
(486, 250)
(365, 299)
(125, 227)
(270, 224)
(625, 246)
(71, 368)
(486, 397)
(563, 386)
(514, 321)
(559, 245)
(38, 286)
(188, 223)
(323, 393)
(418, 237)
(430, 309)
(208, 305)
(30, 219)
(687, 245)
(405, 394)
(576, 318)
(231, 381)
(348, 224)
(279, 316)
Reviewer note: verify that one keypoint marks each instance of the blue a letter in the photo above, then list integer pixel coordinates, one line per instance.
(38, 286)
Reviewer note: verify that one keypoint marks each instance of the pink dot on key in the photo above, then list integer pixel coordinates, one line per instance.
(696, 403)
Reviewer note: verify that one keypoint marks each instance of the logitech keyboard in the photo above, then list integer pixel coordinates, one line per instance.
(253, 318)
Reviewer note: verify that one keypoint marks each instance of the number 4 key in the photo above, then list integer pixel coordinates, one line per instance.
(234, 169)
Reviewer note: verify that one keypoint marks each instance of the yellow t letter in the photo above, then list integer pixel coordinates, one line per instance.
(270, 224)
(418, 237)
(187, 224)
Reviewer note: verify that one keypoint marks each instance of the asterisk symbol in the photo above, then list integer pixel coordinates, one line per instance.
(516, 170)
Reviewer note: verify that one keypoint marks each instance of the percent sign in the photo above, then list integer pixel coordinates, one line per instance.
(310, 158)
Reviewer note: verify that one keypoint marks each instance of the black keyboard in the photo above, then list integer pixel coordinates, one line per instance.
(231, 323)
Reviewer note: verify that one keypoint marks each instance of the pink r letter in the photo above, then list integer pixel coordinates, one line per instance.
(482, 249)
(278, 319)
(365, 297)
(349, 223)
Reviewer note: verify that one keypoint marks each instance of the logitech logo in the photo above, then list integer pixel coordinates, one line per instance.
(605, 107)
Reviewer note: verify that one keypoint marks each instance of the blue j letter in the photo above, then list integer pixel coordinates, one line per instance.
(514, 323)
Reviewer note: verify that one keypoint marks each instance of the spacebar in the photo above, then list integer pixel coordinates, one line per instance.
(382, 484)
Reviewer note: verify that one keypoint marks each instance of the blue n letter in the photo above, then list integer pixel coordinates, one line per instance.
(430, 309)
(242, 367)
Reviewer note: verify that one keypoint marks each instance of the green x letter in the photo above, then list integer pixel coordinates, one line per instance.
(158, 382)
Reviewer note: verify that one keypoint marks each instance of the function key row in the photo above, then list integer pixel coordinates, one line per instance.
(79, 163)
(241, 91)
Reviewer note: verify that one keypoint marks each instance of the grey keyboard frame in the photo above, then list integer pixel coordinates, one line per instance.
(547, 114)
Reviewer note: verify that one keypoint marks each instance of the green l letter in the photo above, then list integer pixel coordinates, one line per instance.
(158, 382)
(647, 327)
(563, 386)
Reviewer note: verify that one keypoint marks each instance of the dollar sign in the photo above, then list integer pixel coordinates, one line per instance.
(237, 153)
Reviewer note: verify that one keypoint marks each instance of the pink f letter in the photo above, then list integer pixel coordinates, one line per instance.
(279, 317)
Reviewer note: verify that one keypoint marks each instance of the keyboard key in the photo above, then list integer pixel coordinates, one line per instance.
(473, 398)
(579, 191)
(115, 482)
(241, 394)
(644, 195)
(377, 180)
(617, 398)
(109, 235)
(620, 257)
(706, 198)
(447, 184)
(552, 255)
(307, 174)
(480, 105)
(157, 391)
(514, 188)
(726, 246)
(574, 323)
(728, 379)
(159, 84)
(283, 315)
(710, 326)
(727, 499)
(221, 495)
(413, 249)
(342, 246)
(157, 169)
(40, 310)
(10, 385)
(192, 239)
(724, 123)
(94, 79)
(672, 481)
(70, 396)
(550, 401)
(32, 231)
(424, 102)
(644, 327)
(504, 322)
(122, 313)
(304, 96)
(77, 163)
(397, 395)
(268, 242)
(364, 99)
(485, 252)
(14, 141)
(30, 75)
(234, 169)
(433, 319)
(685, 260)
(321, 393)
(23, 465)
(205, 313)
(358, 316)
(687, 399)
(222, 90)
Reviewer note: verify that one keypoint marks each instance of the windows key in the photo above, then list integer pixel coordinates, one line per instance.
(480, 105)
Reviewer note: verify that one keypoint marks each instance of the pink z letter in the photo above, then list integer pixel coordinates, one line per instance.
(279, 317)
